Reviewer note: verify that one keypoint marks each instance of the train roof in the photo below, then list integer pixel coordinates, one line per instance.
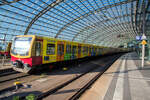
(63, 40)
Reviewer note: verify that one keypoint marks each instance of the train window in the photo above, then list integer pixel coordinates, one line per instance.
(21, 46)
(50, 49)
(38, 49)
(95, 50)
(90, 50)
(83, 49)
(99, 50)
(79, 49)
(74, 50)
(68, 49)
(87, 50)
(60, 49)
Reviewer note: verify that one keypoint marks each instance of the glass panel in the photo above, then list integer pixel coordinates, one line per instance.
(90, 50)
(79, 49)
(74, 50)
(38, 48)
(86, 50)
(60, 49)
(68, 49)
(50, 49)
(21, 46)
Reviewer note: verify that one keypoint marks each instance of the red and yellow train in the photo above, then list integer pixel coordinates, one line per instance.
(30, 51)
(5, 50)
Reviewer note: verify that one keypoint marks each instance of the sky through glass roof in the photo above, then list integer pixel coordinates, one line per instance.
(100, 22)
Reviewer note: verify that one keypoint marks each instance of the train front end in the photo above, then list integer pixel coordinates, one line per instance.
(21, 55)
(5, 49)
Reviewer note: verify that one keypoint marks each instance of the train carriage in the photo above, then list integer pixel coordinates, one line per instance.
(5, 49)
(29, 51)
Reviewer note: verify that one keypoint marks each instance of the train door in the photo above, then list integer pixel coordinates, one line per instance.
(38, 48)
(60, 51)
(38, 53)
(68, 52)
(79, 50)
(74, 51)
(88, 50)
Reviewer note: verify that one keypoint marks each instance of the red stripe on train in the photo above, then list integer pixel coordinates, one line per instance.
(31, 61)
(5, 53)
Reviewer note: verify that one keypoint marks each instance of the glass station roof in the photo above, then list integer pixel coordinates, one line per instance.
(100, 22)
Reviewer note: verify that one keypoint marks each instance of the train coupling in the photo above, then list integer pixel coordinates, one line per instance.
(19, 66)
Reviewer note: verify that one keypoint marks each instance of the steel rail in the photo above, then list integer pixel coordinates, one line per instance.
(52, 91)
(92, 81)
(6, 80)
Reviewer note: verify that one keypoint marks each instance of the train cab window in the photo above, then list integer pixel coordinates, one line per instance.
(68, 49)
(38, 49)
(74, 49)
(50, 49)
(60, 49)
(79, 49)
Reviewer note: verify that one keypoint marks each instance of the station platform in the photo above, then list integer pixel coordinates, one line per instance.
(5, 64)
(124, 80)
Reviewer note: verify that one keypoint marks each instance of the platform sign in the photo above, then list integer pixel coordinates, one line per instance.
(143, 37)
(143, 42)
(138, 38)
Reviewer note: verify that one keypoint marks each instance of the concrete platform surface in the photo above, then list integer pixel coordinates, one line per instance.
(5, 64)
(124, 80)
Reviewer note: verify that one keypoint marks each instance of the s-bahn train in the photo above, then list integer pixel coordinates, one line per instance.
(29, 51)
(5, 49)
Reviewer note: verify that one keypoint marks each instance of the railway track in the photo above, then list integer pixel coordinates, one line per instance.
(2, 71)
(8, 73)
(79, 92)
(10, 78)
(84, 88)
(60, 87)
